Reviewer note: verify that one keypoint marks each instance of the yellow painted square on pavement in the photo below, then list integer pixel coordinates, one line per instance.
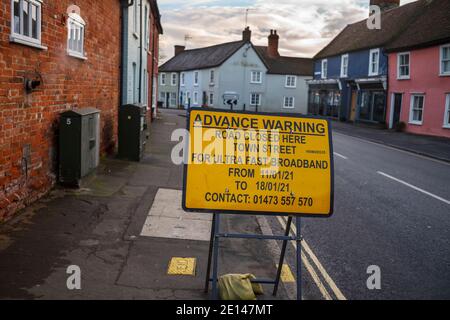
(286, 274)
(182, 266)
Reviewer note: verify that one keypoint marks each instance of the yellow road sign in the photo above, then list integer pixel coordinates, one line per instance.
(258, 163)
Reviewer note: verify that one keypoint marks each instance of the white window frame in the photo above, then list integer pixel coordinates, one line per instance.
(399, 75)
(135, 19)
(196, 78)
(19, 37)
(291, 82)
(195, 98)
(259, 95)
(441, 60)
(163, 79)
(411, 113)
(183, 79)
(172, 100)
(256, 77)
(187, 96)
(447, 111)
(287, 105)
(173, 79)
(344, 67)
(79, 22)
(146, 28)
(371, 62)
(212, 77)
(324, 69)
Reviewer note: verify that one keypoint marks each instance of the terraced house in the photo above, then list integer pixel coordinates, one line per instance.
(351, 72)
(258, 77)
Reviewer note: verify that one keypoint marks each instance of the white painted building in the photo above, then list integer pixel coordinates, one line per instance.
(262, 80)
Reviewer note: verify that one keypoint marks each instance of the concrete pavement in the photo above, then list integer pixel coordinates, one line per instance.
(102, 229)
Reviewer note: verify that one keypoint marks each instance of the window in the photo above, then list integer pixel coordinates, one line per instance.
(211, 77)
(196, 78)
(445, 60)
(75, 36)
(26, 22)
(289, 102)
(163, 79)
(211, 99)
(195, 97)
(183, 79)
(344, 66)
(173, 99)
(374, 62)
(417, 105)
(403, 65)
(324, 69)
(146, 36)
(187, 98)
(256, 77)
(135, 17)
(162, 96)
(447, 112)
(291, 81)
(173, 80)
(255, 99)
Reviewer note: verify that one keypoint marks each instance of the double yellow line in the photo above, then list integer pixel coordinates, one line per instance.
(309, 267)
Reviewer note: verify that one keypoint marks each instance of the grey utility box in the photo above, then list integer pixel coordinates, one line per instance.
(79, 144)
(132, 132)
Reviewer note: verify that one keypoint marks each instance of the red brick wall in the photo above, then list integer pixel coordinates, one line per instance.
(31, 120)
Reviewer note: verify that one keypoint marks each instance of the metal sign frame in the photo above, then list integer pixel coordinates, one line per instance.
(249, 212)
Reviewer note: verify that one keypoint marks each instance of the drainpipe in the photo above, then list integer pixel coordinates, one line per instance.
(141, 50)
(124, 4)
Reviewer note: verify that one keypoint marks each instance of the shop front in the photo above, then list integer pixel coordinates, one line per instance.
(371, 105)
(324, 98)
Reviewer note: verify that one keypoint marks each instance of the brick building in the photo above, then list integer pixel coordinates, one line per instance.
(54, 56)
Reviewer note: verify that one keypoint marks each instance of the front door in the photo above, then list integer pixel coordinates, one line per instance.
(167, 100)
(398, 97)
(353, 105)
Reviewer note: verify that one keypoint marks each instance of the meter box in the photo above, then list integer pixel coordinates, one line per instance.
(79, 144)
(132, 131)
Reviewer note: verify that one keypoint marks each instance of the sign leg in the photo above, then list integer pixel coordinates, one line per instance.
(283, 254)
(215, 293)
(299, 259)
(211, 243)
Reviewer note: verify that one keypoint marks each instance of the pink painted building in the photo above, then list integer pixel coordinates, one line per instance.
(419, 74)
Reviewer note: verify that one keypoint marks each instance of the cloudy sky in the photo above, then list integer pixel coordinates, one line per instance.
(304, 26)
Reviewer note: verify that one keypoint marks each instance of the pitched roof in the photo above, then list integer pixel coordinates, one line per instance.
(432, 27)
(202, 58)
(286, 65)
(358, 36)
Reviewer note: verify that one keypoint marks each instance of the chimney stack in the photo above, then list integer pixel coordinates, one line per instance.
(272, 49)
(385, 4)
(247, 35)
(179, 49)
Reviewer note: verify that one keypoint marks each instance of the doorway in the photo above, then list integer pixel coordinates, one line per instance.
(353, 105)
(396, 109)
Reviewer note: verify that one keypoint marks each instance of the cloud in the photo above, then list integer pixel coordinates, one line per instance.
(304, 26)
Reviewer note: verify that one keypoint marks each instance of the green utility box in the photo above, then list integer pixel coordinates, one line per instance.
(132, 132)
(79, 144)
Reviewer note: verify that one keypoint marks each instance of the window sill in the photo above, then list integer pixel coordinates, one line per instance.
(287, 87)
(446, 126)
(76, 55)
(288, 107)
(444, 75)
(415, 123)
(403, 78)
(17, 40)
